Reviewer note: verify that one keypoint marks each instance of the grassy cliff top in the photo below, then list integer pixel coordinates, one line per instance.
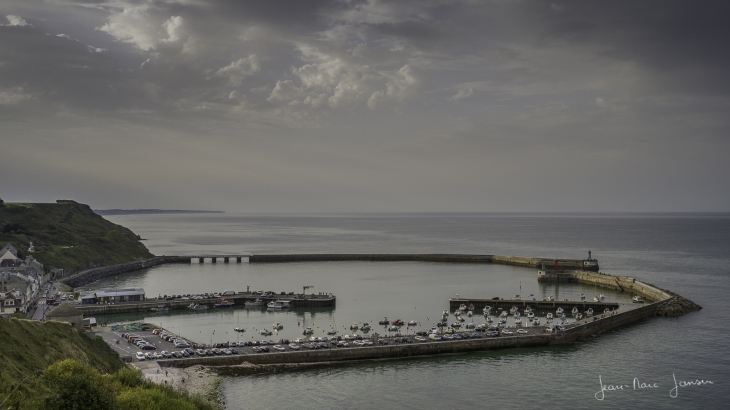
(50, 365)
(67, 235)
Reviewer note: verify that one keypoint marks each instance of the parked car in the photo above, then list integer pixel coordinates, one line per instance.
(294, 346)
(140, 356)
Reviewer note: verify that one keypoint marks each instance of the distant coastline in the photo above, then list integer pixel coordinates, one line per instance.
(150, 211)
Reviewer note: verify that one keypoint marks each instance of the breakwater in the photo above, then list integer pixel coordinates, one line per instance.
(666, 303)
(661, 302)
(91, 275)
(562, 264)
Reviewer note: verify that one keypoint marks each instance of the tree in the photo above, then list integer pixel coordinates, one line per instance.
(77, 386)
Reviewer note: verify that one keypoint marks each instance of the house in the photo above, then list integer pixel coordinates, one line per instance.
(115, 296)
(9, 256)
(12, 301)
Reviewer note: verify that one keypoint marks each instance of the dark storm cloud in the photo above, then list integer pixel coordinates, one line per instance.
(438, 97)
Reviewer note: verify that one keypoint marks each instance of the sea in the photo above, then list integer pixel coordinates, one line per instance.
(659, 363)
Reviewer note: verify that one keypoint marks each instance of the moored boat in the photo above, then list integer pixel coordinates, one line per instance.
(224, 304)
(239, 329)
(278, 304)
(253, 303)
(197, 306)
(637, 299)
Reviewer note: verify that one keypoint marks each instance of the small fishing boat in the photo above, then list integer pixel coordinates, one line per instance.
(536, 321)
(332, 332)
(470, 325)
(224, 304)
(578, 316)
(462, 307)
(471, 307)
(503, 314)
(530, 315)
(637, 299)
(456, 325)
(457, 313)
(412, 323)
(278, 305)
(365, 327)
(385, 321)
(502, 320)
(460, 318)
(549, 315)
(574, 311)
(265, 332)
(160, 308)
(393, 328)
(469, 313)
(307, 331)
(518, 321)
(239, 329)
(354, 326)
(489, 319)
(486, 310)
(398, 322)
(277, 326)
(589, 312)
(254, 303)
(517, 313)
(197, 306)
(559, 311)
(595, 299)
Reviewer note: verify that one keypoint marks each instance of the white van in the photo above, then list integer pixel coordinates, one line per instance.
(228, 293)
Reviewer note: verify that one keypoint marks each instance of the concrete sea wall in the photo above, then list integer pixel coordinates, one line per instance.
(91, 275)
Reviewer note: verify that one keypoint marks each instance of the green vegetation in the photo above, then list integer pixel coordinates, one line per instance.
(52, 366)
(68, 235)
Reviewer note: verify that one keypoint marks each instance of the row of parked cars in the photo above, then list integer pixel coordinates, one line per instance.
(165, 354)
(178, 342)
(138, 341)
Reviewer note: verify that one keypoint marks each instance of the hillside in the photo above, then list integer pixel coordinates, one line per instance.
(68, 235)
(50, 365)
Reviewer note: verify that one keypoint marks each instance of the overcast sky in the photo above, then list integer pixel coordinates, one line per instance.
(374, 106)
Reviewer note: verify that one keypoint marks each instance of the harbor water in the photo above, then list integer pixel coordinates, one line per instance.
(688, 254)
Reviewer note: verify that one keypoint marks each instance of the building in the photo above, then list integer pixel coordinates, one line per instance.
(67, 313)
(12, 301)
(9, 256)
(114, 296)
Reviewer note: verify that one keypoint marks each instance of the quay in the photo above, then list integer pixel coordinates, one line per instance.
(239, 299)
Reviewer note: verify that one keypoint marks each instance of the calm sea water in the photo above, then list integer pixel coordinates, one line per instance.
(689, 254)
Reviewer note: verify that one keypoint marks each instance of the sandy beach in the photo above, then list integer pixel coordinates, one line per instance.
(196, 380)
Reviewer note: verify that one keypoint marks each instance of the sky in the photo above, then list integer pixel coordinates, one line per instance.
(367, 106)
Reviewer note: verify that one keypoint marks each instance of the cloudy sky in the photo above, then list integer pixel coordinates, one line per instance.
(372, 105)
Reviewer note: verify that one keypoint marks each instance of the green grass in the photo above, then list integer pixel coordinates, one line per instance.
(68, 235)
(51, 365)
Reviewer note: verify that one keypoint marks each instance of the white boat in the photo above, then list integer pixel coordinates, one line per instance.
(332, 332)
(393, 328)
(574, 311)
(536, 321)
(278, 305)
(462, 307)
(513, 309)
(595, 299)
(578, 316)
(252, 303)
(486, 310)
(470, 325)
(384, 322)
(490, 319)
(265, 332)
(518, 321)
(365, 327)
(559, 311)
(469, 313)
(530, 315)
(502, 320)
(445, 313)
(637, 299)
(589, 312)
(457, 313)
(517, 313)
(503, 314)
(239, 329)
(307, 331)
(460, 318)
(277, 326)
(354, 326)
(412, 323)
(549, 315)
(196, 306)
